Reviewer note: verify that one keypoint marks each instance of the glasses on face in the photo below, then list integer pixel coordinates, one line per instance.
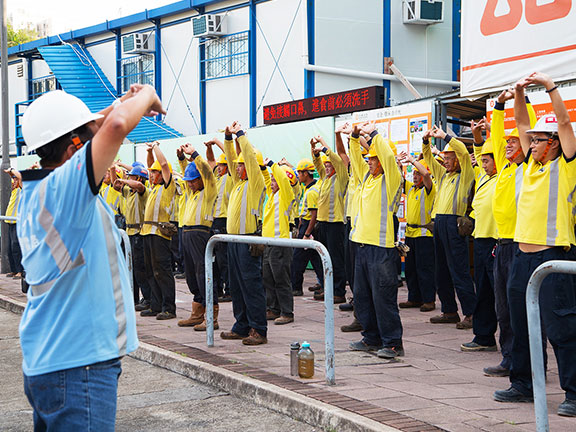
(536, 140)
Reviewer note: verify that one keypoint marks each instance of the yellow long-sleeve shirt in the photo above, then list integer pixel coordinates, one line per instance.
(159, 207)
(309, 201)
(485, 226)
(224, 186)
(375, 224)
(246, 196)
(332, 189)
(12, 209)
(112, 197)
(134, 211)
(297, 191)
(200, 204)
(276, 220)
(419, 203)
(509, 181)
(454, 187)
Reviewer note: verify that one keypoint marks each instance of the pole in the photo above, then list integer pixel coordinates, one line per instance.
(5, 186)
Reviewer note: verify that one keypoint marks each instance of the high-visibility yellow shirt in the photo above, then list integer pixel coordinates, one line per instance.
(419, 203)
(12, 209)
(135, 206)
(544, 212)
(224, 186)
(352, 186)
(309, 201)
(159, 207)
(332, 189)
(509, 181)
(247, 195)
(276, 220)
(297, 191)
(454, 188)
(485, 226)
(375, 224)
(200, 205)
(111, 196)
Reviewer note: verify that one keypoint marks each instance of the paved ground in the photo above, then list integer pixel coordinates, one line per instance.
(149, 398)
(435, 382)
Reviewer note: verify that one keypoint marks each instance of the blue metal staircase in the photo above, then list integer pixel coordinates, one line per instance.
(78, 73)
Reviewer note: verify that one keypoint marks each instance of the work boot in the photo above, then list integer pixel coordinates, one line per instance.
(284, 319)
(446, 318)
(567, 408)
(428, 307)
(465, 324)
(254, 338)
(165, 316)
(315, 287)
(496, 371)
(202, 325)
(196, 317)
(271, 315)
(142, 306)
(354, 327)
(231, 335)
(511, 395)
(409, 304)
(473, 346)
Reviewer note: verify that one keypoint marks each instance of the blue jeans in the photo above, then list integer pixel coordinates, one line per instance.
(78, 399)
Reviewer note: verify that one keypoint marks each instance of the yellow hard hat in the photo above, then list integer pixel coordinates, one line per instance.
(487, 148)
(447, 149)
(424, 164)
(120, 173)
(305, 165)
(290, 174)
(222, 159)
(363, 151)
(513, 134)
(259, 157)
(324, 158)
(372, 152)
(157, 167)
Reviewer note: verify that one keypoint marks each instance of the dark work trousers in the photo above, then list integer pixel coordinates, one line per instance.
(485, 322)
(419, 270)
(14, 252)
(221, 255)
(376, 295)
(558, 313)
(502, 264)
(348, 256)
(194, 240)
(246, 289)
(300, 260)
(398, 259)
(141, 285)
(452, 266)
(276, 279)
(176, 249)
(332, 235)
(158, 262)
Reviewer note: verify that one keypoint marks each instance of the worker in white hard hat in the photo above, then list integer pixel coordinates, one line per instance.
(79, 318)
(544, 232)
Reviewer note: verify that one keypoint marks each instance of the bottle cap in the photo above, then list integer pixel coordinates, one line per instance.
(305, 345)
(295, 345)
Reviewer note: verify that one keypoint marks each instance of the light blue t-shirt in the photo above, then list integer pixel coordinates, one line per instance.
(80, 306)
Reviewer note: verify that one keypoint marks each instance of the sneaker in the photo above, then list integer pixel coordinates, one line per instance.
(446, 318)
(428, 307)
(165, 316)
(409, 304)
(254, 338)
(283, 319)
(271, 315)
(297, 293)
(363, 346)
(511, 395)
(148, 313)
(465, 324)
(496, 371)
(354, 327)
(390, 352)
(473, 346)
(142, 306)
(567, 408)
(314, 288)
(231, 335)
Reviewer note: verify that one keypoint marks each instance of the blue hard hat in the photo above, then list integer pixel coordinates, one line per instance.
(138, 170)
(191, 172)
(137, 163)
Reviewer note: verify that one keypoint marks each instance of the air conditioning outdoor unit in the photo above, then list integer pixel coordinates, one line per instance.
(209, 26)
(138, 43)
(423, 12)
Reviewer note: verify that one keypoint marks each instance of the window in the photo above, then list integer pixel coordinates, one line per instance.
(227, 56)
(137, 69)
(43, 85)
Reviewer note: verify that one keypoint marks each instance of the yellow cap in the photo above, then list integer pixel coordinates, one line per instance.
(259, 157)
(222, 159)
(487, 148)
(305, 165)
(372, 152)
(324, 158)
(447, 149)
(156, 166)
(290, 174)
(363, 150)
(513, 134)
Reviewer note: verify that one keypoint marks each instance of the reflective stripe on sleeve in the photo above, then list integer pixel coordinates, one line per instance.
(551, 231)
(383, 212)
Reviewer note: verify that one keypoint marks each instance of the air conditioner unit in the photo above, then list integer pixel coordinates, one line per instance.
(138, 43)
(423, 12)
(209, 26)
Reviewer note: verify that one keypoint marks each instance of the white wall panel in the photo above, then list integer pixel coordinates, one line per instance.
(105, 56)
(228, 100)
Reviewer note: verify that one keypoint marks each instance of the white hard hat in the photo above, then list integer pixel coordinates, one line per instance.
(53, 115)
(546, 124)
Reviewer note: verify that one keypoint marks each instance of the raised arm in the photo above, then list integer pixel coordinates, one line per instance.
(340, 148)
(210, 154)
(436, 167)
(317, 160)
(359, 165)
(166, 174)
(231, 154)
(426, 177)
(521, 115)
(498, 132)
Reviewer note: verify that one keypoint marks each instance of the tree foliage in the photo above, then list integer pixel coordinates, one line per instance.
(20, 36)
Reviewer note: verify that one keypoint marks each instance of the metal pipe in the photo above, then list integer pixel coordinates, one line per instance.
(535, 335)
(379, 76)
(5, 186)
(8, 218)
(128, 256)
(293, 243)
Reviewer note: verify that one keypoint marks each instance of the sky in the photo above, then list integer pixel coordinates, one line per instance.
(74, 14)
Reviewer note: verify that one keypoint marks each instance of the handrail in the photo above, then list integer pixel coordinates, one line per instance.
(293, 243)
(535, 335)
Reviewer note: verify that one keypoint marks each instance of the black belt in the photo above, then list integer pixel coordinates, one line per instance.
(505, 241)
(188, 228)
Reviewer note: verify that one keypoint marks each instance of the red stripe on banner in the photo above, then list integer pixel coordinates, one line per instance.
(520, 57)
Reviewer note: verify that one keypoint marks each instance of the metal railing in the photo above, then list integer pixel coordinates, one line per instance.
(535, 335)
(294, 243)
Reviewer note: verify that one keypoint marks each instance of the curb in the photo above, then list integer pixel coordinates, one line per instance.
(292, 404)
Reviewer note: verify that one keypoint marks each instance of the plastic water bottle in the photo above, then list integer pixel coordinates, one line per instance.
(305, 361)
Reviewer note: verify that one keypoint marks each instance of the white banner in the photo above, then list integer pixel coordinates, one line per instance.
(504, 40)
